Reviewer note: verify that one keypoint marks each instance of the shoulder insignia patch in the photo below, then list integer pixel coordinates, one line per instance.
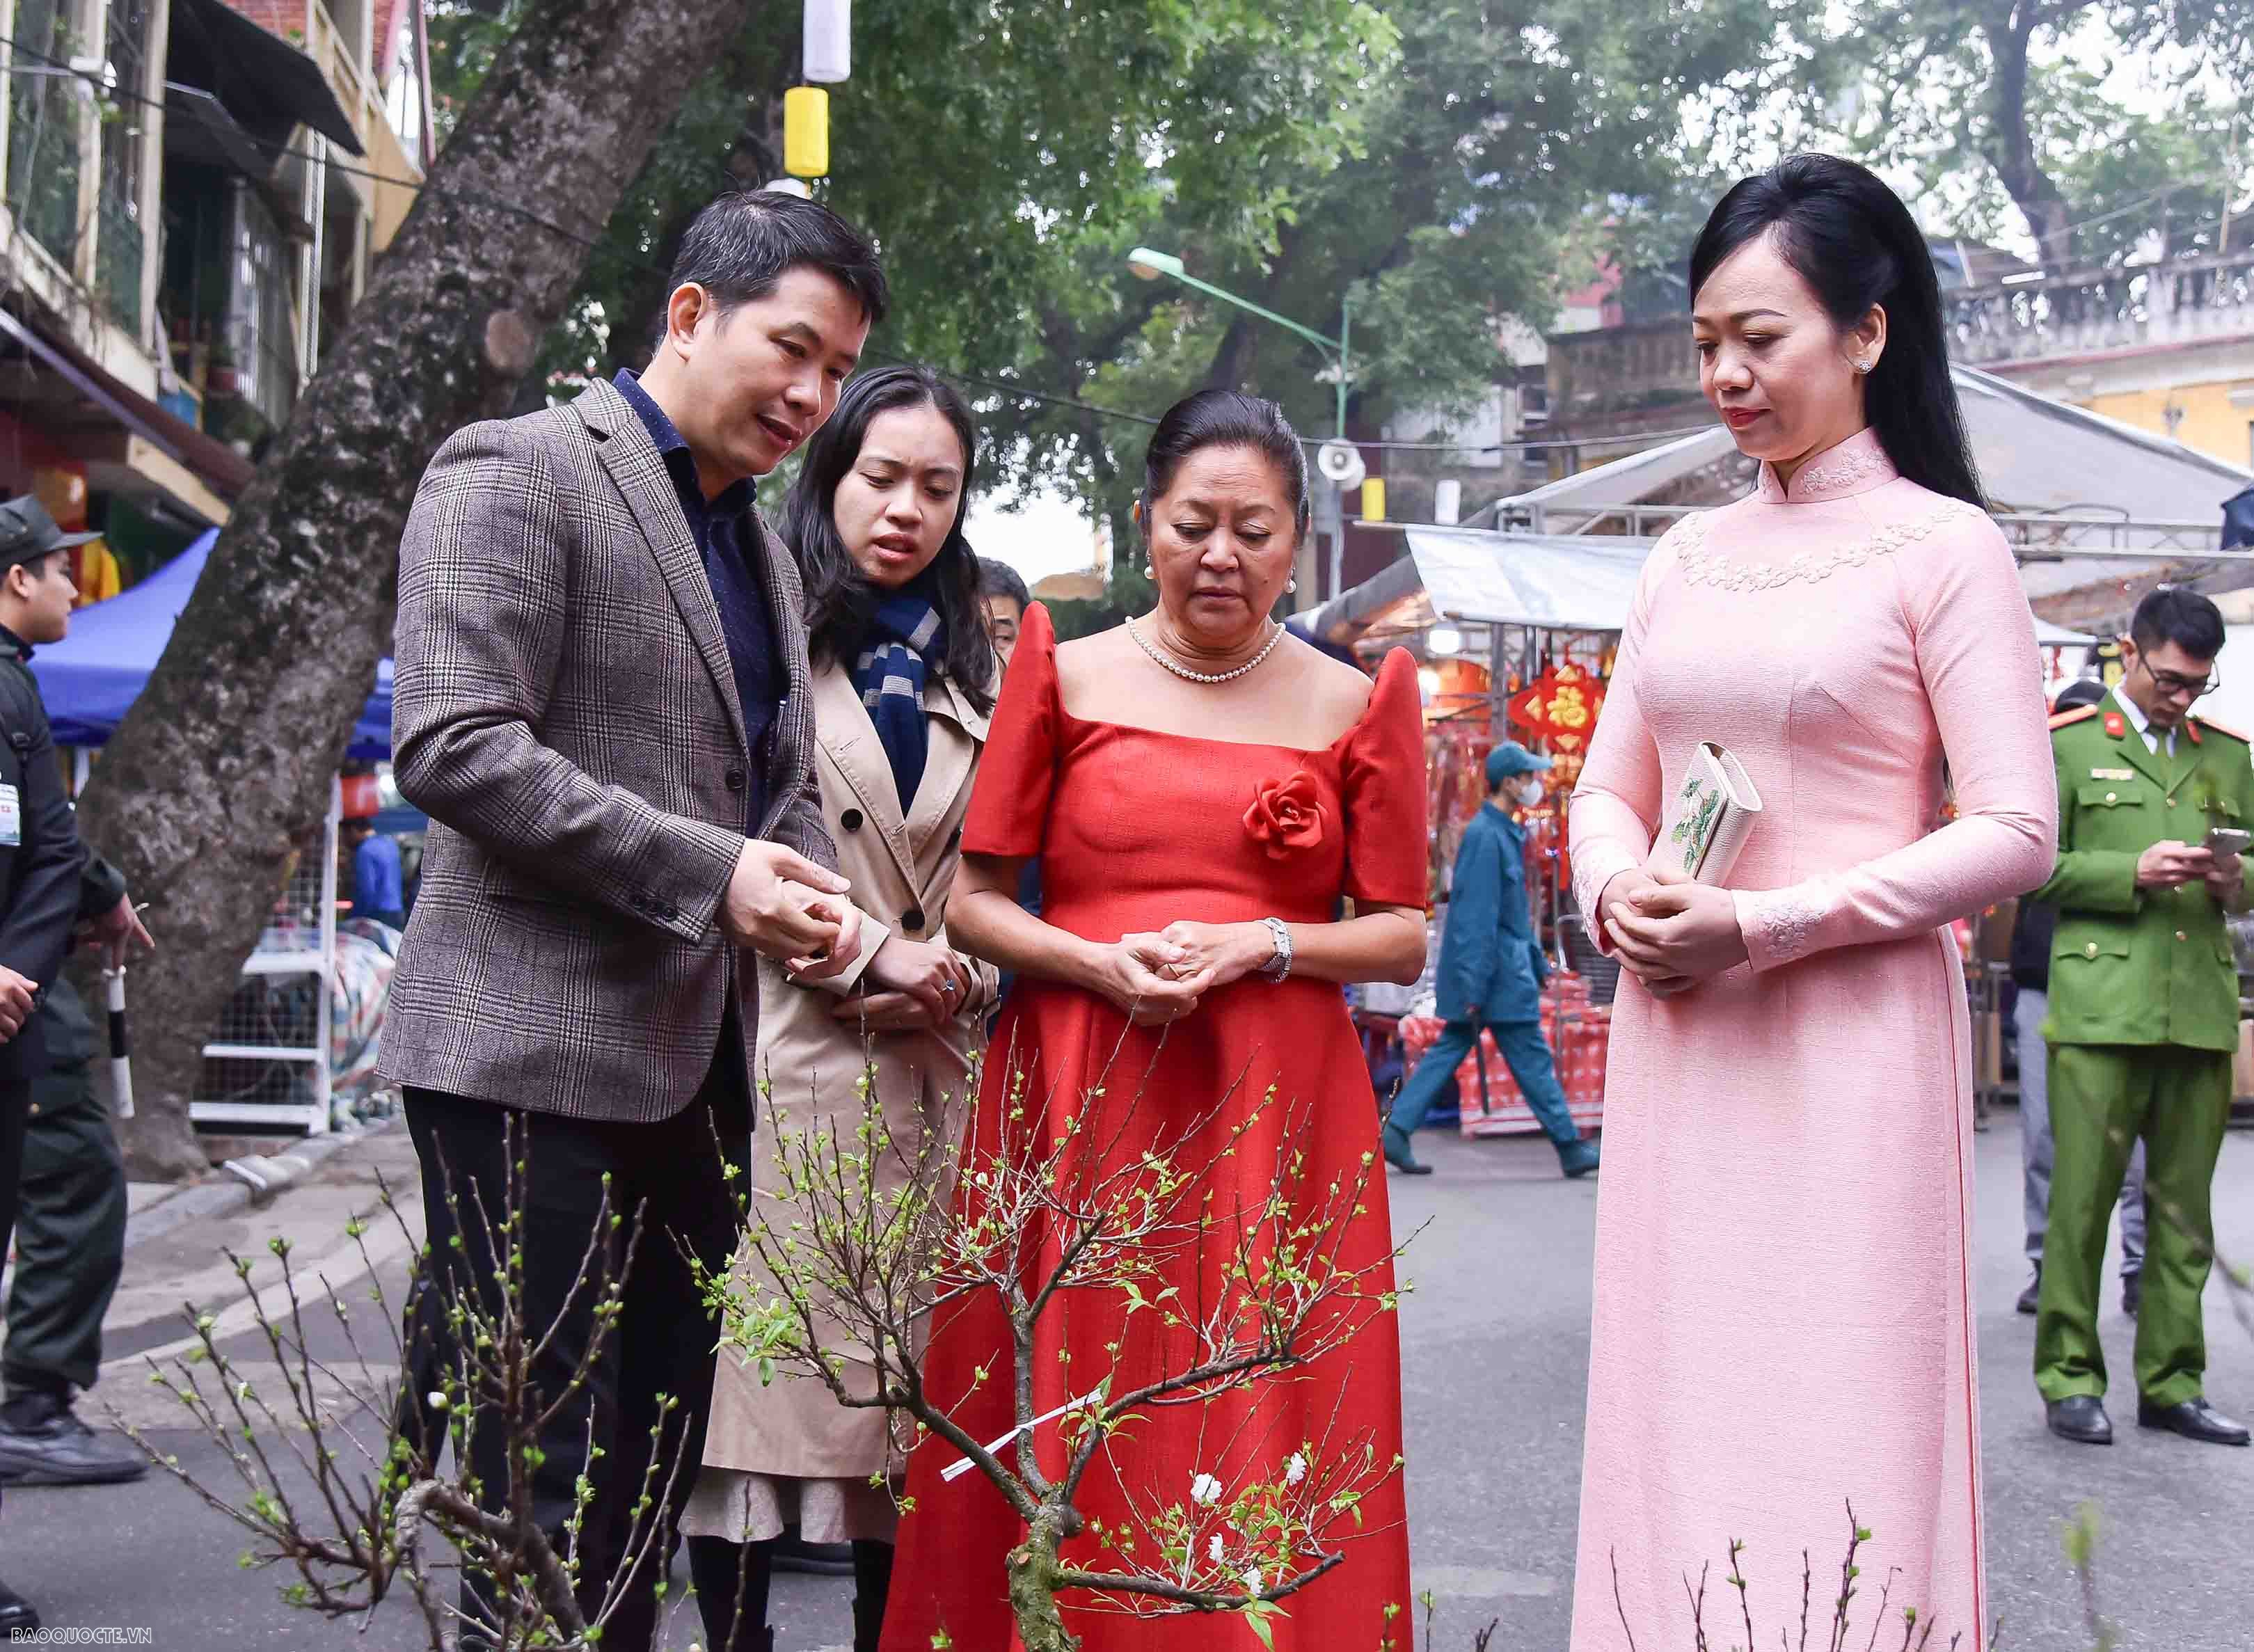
(2079, 714)
(2198, 723)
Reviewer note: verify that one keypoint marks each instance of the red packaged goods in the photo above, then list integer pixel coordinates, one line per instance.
(1579, 1033)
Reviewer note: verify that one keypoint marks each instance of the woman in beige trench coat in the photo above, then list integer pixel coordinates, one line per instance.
(904, 679)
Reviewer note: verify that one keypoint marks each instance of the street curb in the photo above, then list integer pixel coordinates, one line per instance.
(229, 1189)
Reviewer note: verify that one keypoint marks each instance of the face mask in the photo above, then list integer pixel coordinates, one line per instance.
(1528, 791)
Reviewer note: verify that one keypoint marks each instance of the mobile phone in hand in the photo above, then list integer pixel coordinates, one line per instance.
(2227, 840)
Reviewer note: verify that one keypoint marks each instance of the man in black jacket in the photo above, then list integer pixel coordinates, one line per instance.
(2031, 941)
(40, 858)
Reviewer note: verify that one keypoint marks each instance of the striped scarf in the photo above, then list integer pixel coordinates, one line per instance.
(905, 633)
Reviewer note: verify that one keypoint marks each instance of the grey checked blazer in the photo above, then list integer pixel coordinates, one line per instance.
(564, 712)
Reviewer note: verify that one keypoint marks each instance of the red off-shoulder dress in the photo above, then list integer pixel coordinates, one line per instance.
(1135, 828)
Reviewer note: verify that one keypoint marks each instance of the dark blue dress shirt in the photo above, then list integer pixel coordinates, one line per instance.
(724, 529)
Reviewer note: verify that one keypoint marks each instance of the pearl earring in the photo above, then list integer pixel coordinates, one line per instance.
(1149, 573)
(1290, 584)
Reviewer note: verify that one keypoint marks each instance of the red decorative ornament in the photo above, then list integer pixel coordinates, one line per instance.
(1560, 707)
(1286, 817)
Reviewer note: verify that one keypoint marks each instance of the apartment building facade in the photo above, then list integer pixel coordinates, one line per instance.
(194, 192)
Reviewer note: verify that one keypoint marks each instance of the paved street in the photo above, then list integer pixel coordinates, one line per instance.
(1494, 1341)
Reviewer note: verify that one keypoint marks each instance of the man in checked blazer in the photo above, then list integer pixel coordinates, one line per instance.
(602, 703)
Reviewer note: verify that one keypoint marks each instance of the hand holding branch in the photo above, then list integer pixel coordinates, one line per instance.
(781, 905)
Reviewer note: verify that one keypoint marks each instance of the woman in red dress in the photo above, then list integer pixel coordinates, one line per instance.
(1201, 788)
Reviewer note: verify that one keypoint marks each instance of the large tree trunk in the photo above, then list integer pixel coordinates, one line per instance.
(754, 157)
(232, 745)
(2011, 141)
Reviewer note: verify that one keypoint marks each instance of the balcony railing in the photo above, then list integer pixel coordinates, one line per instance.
(2183, 301)
(348, 77)
(43, 130)
(117, 249)
(43, 189)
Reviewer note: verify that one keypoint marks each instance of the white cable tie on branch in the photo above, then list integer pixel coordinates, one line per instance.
(963, 1466)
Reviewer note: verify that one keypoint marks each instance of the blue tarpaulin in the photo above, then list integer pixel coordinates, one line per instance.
(91, 678)
(2238, 520)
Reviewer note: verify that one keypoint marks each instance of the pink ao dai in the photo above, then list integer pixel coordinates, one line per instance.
(1782, 1317)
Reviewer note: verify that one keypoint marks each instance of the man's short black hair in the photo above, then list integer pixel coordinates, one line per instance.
(997, 578)
(738, 249)
(2171, 613)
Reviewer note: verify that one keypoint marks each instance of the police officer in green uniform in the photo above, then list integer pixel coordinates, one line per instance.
(40, 862)
(70, 1236)
(2144, 1015)
(71, 1198)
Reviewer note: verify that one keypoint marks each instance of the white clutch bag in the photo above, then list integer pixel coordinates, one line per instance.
(1712, 816)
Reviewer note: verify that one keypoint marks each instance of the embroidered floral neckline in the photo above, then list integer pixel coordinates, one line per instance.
(1856, 466)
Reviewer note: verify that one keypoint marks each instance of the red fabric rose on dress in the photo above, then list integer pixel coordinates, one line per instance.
(1286, 817)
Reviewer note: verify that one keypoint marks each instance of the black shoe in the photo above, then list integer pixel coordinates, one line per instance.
(2194, 1419)
(2132, 1293)
(16, 1613)
(1398, 1156)
(2033, 1295)
(43, 1443)
(2080, 1418)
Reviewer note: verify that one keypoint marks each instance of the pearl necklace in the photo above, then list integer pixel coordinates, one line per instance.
(1185, 673)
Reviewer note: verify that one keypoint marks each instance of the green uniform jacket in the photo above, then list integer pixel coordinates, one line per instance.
(2130, 965)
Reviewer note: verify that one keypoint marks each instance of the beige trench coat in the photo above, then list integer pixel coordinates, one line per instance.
(902, 872)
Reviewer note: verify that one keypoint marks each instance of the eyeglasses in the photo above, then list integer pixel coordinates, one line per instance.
(2174, 682)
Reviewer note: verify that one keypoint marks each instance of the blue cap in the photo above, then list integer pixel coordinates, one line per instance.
(1510, 760)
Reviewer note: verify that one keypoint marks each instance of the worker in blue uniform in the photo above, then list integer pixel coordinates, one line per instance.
(1492, 971)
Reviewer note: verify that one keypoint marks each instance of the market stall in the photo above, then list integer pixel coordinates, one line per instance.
(1518, 633)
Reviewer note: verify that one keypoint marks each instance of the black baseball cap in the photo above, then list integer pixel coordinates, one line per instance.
(27, 533)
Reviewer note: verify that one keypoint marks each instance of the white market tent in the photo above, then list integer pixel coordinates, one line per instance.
(2062, 478)
(2068, 485)
(1556, 583)
(2037, 456)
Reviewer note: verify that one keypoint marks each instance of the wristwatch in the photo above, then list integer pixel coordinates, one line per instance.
(1280, 965)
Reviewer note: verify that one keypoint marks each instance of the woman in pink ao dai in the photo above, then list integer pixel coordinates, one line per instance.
(1782, 1317)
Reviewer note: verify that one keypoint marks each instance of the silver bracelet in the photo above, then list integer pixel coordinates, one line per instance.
(1280, 965)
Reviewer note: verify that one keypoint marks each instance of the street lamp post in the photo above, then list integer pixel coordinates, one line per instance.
(1150, 265)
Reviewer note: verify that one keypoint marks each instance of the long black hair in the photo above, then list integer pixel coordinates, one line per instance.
(840, 601)
(1225, 418)
(1852, 241)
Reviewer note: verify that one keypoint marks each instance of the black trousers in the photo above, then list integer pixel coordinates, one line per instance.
(15, 1109)
(663, 1343)
(70, 1215)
